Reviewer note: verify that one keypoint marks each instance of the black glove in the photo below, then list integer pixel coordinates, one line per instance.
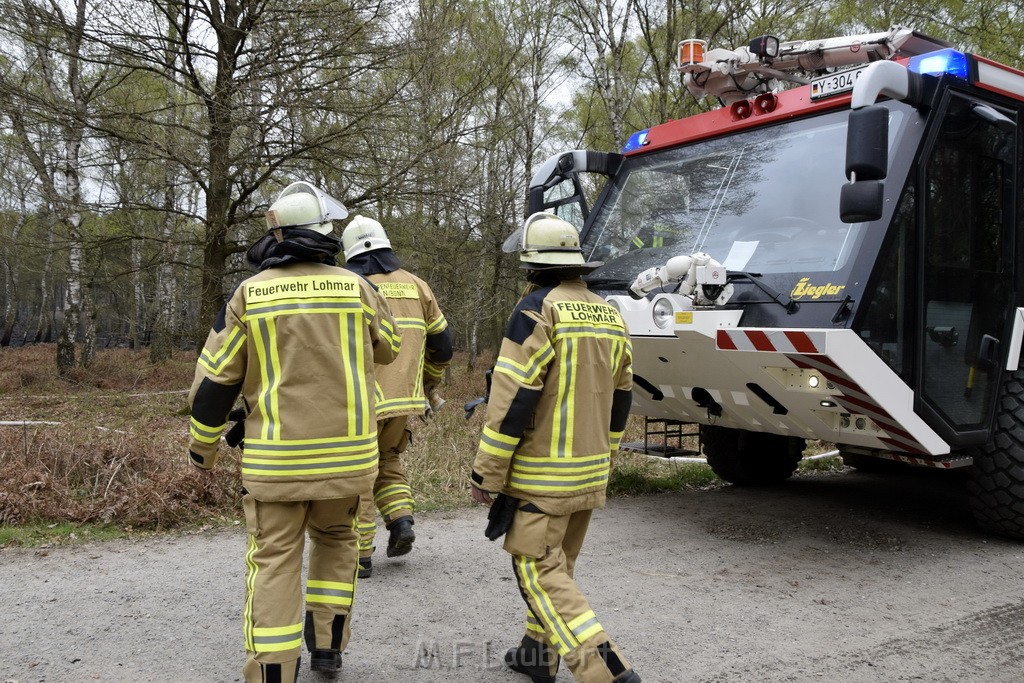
(471, 407)
(476, 402)
(236, 435)
(499, 517)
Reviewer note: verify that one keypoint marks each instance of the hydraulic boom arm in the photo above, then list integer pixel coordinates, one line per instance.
(762, 67)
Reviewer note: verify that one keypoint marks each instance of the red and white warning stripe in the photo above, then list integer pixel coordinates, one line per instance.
(855, 400)
(779, 341)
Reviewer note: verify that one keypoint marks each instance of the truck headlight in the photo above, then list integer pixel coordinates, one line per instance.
(663, 313)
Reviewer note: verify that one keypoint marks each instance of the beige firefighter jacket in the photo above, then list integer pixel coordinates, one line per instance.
(401, 386)
(560, 395)
(299, 342)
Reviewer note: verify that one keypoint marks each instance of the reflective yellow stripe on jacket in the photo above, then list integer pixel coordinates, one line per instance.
(214, 363)
(529, 372)
(438, 325)
(417, 402)
(280, 457)
(562, 474)
(496, 443)
(387, 332)
(204, 433)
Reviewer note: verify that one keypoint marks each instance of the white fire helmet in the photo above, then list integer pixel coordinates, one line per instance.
(546, 242)
(302, 205)
(361, 235)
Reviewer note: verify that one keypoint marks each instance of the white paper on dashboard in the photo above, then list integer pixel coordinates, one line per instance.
(740, 255)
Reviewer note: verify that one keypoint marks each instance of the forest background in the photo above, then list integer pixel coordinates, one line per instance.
(142, 140)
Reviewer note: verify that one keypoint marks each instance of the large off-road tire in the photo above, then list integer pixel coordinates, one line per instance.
(750, 458)
(996, 485)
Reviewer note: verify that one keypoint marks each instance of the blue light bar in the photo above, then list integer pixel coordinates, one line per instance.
(636, 141)
(942, 62)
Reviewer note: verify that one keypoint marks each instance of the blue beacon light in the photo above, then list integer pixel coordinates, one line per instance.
(635, 141)
(942, 62)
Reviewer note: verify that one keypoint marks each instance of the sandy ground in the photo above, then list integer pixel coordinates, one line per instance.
(845, 577)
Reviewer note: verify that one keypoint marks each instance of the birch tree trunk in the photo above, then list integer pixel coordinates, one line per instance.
(70, 193)
(135, 323)
(44, 324)
(165, 321)
(603, 28)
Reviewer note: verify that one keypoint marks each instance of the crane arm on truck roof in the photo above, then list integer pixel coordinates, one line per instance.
(766, 64)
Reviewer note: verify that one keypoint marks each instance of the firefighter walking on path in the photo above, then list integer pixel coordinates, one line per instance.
(404, 387)
(298, 341)
(559, 398)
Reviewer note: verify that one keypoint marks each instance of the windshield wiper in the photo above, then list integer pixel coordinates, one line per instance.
(790, 305)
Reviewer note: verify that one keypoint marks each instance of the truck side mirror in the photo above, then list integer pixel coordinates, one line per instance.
(867, 164)
(867, 144)
(861, 201)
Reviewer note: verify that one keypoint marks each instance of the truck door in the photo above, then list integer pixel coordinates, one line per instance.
(965, 267)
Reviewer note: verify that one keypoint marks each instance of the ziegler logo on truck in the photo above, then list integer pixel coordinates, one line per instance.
(805, 288)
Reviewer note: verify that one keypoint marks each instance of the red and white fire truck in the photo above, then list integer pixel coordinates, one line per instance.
(834, 253)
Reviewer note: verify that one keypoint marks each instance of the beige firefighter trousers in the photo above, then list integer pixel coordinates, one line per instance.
(273, 613)
(544, 549)
(392, 494)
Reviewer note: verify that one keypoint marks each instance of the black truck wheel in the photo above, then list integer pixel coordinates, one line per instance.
(750, 458)
(996, 484)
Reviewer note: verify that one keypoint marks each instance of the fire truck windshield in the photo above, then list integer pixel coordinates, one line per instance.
(764, 200)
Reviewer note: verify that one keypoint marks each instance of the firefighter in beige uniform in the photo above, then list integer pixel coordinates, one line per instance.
(404, 386)
(299, 341)
(559, 399)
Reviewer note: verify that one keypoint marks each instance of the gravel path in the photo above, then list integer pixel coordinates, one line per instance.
(844, 577)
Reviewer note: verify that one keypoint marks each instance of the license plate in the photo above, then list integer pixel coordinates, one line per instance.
(835, 83)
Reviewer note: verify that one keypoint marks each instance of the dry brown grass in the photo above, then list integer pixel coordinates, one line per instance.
(443, 448)
(118, 455)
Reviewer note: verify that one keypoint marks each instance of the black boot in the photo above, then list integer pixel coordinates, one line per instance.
(402, 537)
(532, 658)
(365, 567)
(325, 661)
(615, 665)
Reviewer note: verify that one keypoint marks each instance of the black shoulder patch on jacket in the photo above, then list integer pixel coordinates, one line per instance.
(221, 321)
(213, 402)
(520, 412)
(439, 346)
(520, 326)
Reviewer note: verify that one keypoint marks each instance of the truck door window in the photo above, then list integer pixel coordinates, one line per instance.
(564, 198)
(967, 197)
